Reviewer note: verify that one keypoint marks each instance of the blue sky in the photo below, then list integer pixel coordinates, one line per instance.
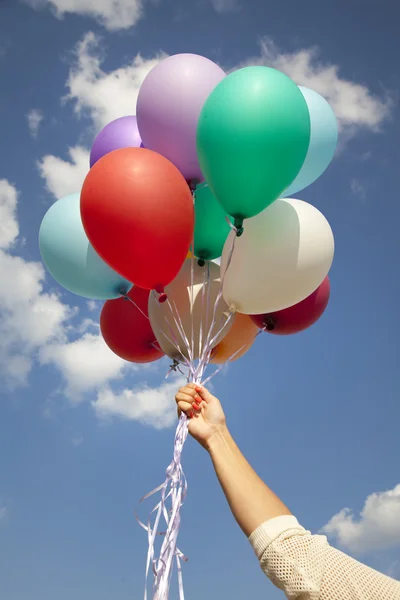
(82, 435)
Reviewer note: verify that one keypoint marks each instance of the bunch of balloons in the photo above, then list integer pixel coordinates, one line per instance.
(206, 169)
(208, 163)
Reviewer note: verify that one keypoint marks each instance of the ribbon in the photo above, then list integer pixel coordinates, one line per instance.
(174, 488)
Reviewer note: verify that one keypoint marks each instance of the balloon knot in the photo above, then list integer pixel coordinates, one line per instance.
(270, 323)
(201, 262)
(162, 298)
(238, 225)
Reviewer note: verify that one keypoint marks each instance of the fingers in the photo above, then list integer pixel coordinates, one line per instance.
(203, 393)
(188, 400)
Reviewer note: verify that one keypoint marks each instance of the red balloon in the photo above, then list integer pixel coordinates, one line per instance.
(126, 331)
(137, 211)
(298, 317)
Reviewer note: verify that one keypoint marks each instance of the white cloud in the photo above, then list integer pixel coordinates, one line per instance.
(150, 406)
(86, 364)
(100, 95)
(9, 229)
(93, 305)
(64, 177)
(3, 513)
(358, 188)
(29, 317)
(113, 14)
(355, 106)
(225, 6)
(35, 324)
(377, 528)
(35, 118)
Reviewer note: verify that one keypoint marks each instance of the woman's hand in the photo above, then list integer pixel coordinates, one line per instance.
(204, 411)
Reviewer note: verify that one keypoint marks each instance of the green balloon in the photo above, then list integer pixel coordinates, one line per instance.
(211, 228)
(252, 139)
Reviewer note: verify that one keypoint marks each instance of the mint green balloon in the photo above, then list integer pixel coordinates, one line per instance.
(211, 228)
(252, 139)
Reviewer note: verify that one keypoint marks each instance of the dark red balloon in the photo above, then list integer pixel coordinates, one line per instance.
(137, 211)
(126, 331)
(298, 317)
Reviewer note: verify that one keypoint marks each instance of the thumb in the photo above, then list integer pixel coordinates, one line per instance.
(204, 393)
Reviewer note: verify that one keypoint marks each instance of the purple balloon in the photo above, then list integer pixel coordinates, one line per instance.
(121, 133)
(169, 104)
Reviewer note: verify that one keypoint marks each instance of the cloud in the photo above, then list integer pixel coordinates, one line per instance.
(35, 118)
(64, 177)
(36, 326)
(93, 305)
(358, 188)
(150, 406)
(86, 364)
(29, 316)
(100, 95)
(225, 6)
(9, 229)
(112, 14)
(355, 106)
(377, 528)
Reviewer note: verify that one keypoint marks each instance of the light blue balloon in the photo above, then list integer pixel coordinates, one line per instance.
(69, 256)
(323, 140)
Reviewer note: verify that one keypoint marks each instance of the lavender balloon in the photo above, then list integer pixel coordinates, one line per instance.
(121, 133)
(169, 104)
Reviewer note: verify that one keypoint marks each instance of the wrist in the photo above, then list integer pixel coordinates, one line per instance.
(218, 438)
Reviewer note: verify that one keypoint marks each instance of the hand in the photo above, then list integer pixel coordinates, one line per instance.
(204, 411)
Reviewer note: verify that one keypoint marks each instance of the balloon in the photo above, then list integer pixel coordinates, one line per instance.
(126, 328)
(237, 341)
(252, 139)
(323, 140)
(121, 133)
(283, 256)
(191, 303)
(169, 104)
(298, 317)
(70, 258)
(137, 211)
(211, 228)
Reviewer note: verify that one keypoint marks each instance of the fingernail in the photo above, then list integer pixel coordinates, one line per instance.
(191, 414)
(197, 399)
(196, 406)
(198, 388)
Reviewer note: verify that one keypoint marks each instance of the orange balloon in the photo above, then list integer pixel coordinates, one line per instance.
(242, 333)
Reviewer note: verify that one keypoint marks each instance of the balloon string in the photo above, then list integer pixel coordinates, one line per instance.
(174, 487)
(206, 281)
(181, 329)
(205, 358)
(135, 305)
(230, 359)
(192, 294)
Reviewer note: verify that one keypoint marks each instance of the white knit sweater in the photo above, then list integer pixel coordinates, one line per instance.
(306, 567)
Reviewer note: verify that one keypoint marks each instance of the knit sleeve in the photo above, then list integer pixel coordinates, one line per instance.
(306, 567)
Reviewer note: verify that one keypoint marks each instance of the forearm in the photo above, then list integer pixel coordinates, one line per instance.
(251, 501)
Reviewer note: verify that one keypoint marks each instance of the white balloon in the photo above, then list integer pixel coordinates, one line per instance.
(284, 254)
(192, 309)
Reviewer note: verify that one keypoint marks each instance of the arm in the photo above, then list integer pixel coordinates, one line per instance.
(301, 564)
(251, 501)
